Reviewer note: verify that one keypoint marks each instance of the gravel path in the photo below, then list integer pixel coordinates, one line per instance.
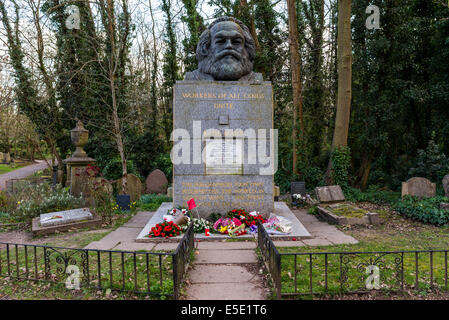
(21, 173)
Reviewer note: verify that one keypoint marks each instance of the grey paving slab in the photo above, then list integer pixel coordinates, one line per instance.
(340, 238)
(226, 257)
(122, 234)
(139, 220)
(221, 274)
(290, 243)
(237, 245)
(317, 242)
(165, 246)
(134, 246)
(225, 291)
(102, 245)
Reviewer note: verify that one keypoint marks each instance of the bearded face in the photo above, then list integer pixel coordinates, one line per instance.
(228, 58)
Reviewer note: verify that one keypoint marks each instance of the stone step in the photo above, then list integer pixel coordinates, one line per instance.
(225, 257)
(219, 273)
(226, 291)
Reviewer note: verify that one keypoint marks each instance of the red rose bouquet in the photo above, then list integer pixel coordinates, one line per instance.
(251, 219)
(165, 230)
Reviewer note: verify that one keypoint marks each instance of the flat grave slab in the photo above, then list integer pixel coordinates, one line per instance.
(65, 217)
(298, 230)
(347, 214)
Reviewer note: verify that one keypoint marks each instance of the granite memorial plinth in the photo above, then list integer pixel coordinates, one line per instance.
(225, 146)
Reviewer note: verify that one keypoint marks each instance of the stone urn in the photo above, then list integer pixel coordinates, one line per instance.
(79, 136)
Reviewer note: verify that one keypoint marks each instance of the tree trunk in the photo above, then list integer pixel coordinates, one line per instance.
(341, 129)
(295, 61)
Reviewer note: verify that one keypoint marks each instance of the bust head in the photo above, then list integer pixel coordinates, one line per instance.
(226, 50)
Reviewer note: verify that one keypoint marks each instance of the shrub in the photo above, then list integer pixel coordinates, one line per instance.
(430, 163)
(152, 201)
(424, 210)
(3, 201)
(372, 194)
(341, 161)
(43, 198)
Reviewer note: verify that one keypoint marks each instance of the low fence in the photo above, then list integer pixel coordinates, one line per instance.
(151, 273)
(319, 273)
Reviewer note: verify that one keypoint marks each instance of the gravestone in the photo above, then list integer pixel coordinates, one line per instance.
(446, 185)
(2, 157)
(65, 217)
(133, 187)
(156, 182)
(223, 115)
(7, 158)
(329, 194)
(418, 187)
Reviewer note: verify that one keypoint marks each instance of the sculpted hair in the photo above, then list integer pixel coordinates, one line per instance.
(202, 49)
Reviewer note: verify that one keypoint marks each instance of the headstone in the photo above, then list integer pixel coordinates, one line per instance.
(329, 194)
(65, 217)
(2, 157)
(224, 113)
(133, 187)
(419, 187)
(83, 185)
(298, 187)
(446, 185)
(7, 158)
(156, 182)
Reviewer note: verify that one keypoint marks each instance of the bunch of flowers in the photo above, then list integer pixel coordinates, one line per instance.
(236, 213)
(250, 219)
(199, 225)
(303, 201)
(226, 225)
(165, 229)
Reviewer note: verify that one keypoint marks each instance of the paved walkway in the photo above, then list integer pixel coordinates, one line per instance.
(225, 271)
(21, 173)
(323, 233)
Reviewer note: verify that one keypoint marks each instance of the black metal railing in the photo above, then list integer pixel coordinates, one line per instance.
(181, 258)
(329, 273)
(150, 273)
(270, 256)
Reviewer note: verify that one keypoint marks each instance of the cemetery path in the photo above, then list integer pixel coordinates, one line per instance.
(225, 271)
(21, 173)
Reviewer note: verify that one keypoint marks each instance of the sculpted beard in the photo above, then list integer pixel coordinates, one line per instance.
(221, 66)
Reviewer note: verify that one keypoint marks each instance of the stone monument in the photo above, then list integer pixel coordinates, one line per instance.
(224, 146)
(79, 159)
